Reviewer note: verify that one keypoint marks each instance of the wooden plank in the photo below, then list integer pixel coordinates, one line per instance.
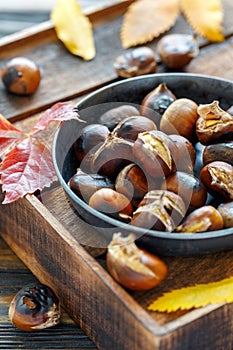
(79, 280)
(64, 75)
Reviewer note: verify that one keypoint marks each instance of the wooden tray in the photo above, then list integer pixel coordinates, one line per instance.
(45, 232)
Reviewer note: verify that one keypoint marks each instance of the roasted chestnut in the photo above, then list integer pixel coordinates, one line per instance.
(186, 154)
(188, 186)
(132, 182)
(177, 50)
(21, 76)
(133, 267)
(91, 136)
(156, 102)
(154, 151)
(135, 62)
(130, 127)
(218, 179)
(84, 185)
(226, 211)
(112, 156)
(114, 115)
(35, 307)
(203, 219)
(222, 151)
(112, 203)
(160, 210)
(180, 118)
(213, 123)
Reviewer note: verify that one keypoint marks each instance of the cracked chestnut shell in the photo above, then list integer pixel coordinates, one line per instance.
(160, 210)
(218, 179)
(21, 76)
(133, 267)
(154, 151)
(35, 307)
(203, 219)
(188, 186)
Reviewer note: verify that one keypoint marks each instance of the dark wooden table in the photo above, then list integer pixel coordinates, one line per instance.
(214, 59)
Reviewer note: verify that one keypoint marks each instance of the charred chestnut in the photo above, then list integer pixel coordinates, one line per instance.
(21, 76)
(35, 307)
(133, 267)
(136, 62)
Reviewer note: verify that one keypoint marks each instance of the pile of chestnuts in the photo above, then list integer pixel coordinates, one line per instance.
(141, 166)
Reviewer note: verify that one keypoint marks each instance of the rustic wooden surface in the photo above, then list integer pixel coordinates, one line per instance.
(23, 224)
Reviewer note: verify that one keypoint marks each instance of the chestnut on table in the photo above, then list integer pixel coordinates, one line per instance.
(213, 60)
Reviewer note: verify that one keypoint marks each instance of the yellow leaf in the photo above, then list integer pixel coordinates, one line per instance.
(194, 297)
(73, 28)
(205, 16)
(147, 19)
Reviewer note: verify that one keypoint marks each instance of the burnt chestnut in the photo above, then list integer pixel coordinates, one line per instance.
(114, 115)
(156, 102)
(112, 203)
(203, 219)
(218, 179)
(21, 76)
(84, 185)
(135, 62)
(188, 186)
(133, 267)
(35, 307)
(177, 50)
(130, 127)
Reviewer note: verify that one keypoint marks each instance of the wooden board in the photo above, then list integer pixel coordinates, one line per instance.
(49, 231)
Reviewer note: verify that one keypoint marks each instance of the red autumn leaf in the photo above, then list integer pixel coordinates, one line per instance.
(61, 111)
(8, 134)
(26, 168)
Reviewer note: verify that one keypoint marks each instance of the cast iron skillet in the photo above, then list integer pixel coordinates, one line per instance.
(200, 88)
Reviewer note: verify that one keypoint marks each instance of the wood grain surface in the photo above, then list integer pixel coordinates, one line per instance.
(49, 231)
